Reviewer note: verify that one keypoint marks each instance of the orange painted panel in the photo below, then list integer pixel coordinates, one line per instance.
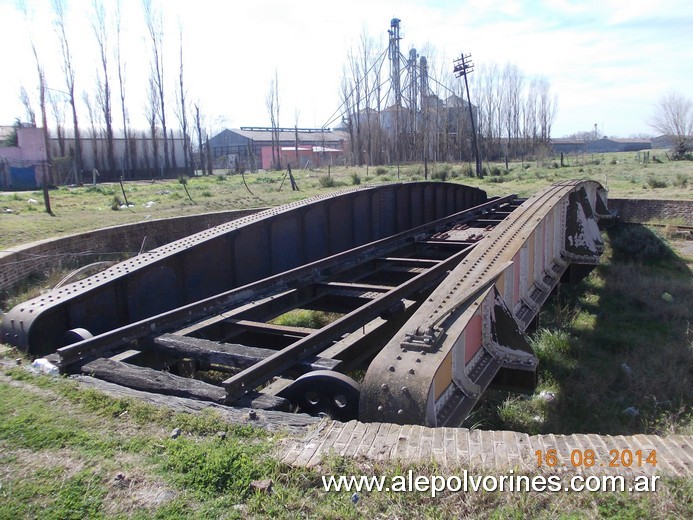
(472, 338)
(443, 376)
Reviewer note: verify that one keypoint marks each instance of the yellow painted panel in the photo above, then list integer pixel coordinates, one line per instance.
(443, 376)
(500, 283)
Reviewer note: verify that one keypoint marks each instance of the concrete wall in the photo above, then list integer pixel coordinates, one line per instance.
(30, 151)
(140, 143)
(652, 210)
(18, 263)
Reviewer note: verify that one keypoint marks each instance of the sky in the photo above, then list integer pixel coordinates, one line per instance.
(607, 61)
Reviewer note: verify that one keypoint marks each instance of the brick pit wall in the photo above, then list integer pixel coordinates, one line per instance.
(18, 263)
(641, 211)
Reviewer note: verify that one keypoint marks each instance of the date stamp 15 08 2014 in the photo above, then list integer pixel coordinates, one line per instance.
(587, 458)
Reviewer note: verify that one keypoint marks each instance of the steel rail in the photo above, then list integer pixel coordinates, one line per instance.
(302, 275)
(390, 394)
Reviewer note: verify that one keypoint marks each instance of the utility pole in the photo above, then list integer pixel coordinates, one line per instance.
(463, 66)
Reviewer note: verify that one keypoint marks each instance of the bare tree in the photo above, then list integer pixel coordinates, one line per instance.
(152, 109)
(174, 164)
(103, 82)
(547, 108)
(28, 108)
(198, 127)
(208, 153)
(182, 110)
(58, 112)
(349, 118)
(42, 107)
(513, 82)
(128, 162)
(94, 131)
(272, 104)
(357, 95)
(155, 26)
(47, 173)
(673, 117)
(529, 120)
(69, 73)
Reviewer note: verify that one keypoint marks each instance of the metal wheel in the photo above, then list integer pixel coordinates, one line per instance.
(75, 336)
(325, 391)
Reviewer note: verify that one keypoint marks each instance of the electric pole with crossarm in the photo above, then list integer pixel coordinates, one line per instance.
(463, 66)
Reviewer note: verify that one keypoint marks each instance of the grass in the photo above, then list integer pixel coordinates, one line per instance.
(615, 350)
(67, 452)
(84, 208)
(605, 345)
(612, 343)
(306, 318)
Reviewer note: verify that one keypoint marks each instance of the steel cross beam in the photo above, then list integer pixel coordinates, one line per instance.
(292, 278)
(237, 385)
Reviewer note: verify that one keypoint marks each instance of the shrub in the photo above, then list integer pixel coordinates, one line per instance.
(380, 170)
(439, 175)
(496, 170)
(355, 179)
(639, 244)
(468, 171)
(104, 190)
(326, 182)
(116, 203)
(681, 180)
(655, 183)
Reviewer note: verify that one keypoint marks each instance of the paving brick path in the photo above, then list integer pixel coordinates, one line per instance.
(450, 447)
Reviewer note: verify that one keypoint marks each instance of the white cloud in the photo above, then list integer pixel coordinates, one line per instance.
(605, 59)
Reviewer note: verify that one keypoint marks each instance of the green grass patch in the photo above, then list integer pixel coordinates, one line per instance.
(216, 466)
(80, 209)
(52, 494)
(614, 350)
(202, 475)
(28, 423)
(305, 318)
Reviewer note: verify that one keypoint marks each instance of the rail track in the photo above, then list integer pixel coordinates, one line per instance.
(428, 288)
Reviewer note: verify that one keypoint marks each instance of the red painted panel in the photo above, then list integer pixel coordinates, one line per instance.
(472, 338)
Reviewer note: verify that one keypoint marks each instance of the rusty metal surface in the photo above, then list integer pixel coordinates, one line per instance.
(430, 368)
(229, 256)
(430, 287)
(270, 289)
